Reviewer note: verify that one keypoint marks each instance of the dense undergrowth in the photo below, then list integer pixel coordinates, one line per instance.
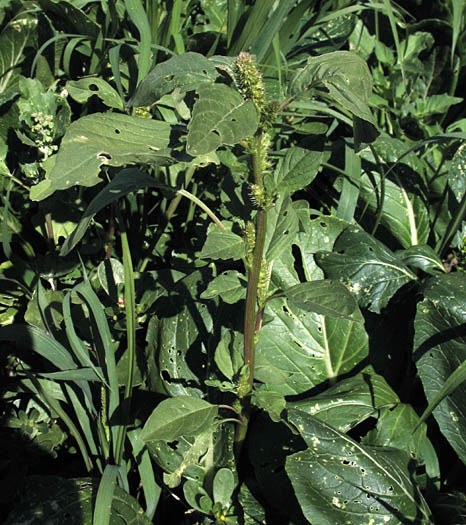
(233, 287)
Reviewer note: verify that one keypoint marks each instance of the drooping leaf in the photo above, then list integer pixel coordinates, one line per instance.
(440, 350)
(81, 90)
(179, 416)
(298, 350)
(346, 77)
(423, 257)
(104, 139)
(337, 480)
(325, 297)
(222, 244)
(185, 72)
(220, 116)
(39, 341)
(372, 272)
(126, 181)
(350, 401)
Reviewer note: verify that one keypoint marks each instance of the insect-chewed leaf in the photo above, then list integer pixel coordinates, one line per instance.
(185, 72)
(220, 116)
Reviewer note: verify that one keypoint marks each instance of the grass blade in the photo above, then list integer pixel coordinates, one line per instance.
(152, 490)
(139, 18)
(103, 503)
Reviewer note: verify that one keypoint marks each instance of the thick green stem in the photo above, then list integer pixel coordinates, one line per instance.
(250, 314)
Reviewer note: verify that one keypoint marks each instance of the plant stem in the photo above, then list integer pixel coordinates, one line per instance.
(250, 322)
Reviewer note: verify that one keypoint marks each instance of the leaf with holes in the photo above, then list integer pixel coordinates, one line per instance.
(371, 271)
(104, 139)
(298, 350)
(282, 227)
(350, 401)
(337, 480)
(325, 297)
(182, 335)
(440, 349)
(185, 72)
(346, 77)
(220, 117)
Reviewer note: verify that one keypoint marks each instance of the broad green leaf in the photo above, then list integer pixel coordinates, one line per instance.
(53, 499)
(404, 213)
(229, 285)
(423, 257)
(282, 226)
(440, 350)
(104, 139)
(220, 117)
(197, 496)
(269, 444)
(350, 401)
(435, 104)
(223, 487)
(190, 459)
(325, 297)
(179, 416)
(346, 77)
(183, 331)
(272, 402)
(185, 72)
(337, 480)
(81, 90)
(398, 427)
(370, 270)
(298, 350)
(13, 41)
(319, 234)
(222, 244)
(126, 181)
(298, 169)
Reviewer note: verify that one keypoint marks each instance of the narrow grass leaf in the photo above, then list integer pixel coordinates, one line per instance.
(103, 503)
(138, 16)
(152, 491)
